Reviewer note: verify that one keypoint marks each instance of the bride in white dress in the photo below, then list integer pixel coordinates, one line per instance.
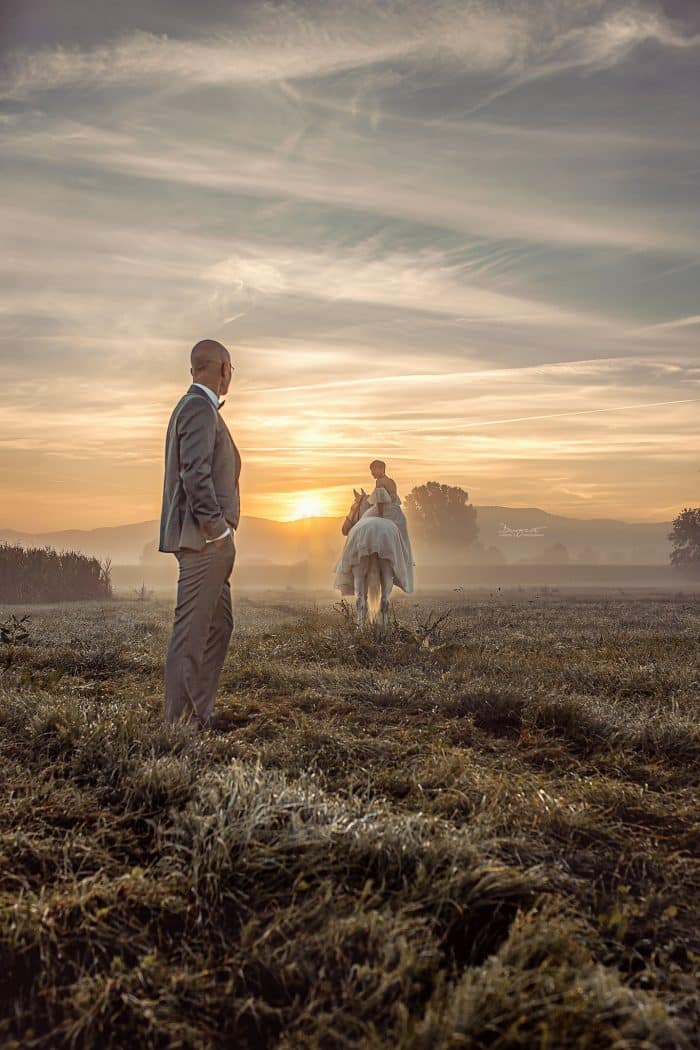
(392, 544)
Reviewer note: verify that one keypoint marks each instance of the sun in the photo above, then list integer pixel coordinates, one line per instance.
(308, 506)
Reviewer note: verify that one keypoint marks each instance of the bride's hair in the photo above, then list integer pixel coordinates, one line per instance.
(379, 463)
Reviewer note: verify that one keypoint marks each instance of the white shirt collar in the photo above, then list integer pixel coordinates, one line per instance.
(212, 395)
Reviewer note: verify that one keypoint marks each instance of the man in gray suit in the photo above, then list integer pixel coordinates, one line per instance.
(201, 510)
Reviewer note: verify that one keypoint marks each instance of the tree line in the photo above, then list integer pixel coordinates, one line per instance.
(41, 574)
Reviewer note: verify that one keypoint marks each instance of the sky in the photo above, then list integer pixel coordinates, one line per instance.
(463, 237)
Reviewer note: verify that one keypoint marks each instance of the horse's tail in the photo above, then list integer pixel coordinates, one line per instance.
(374, 587)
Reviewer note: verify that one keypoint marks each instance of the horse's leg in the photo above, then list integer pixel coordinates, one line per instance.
(373, 586)
(387, 576)
(360, 578)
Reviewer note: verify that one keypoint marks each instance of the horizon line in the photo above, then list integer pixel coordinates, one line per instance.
(337, 517)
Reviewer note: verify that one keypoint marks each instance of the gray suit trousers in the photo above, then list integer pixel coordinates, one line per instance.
(201, 632)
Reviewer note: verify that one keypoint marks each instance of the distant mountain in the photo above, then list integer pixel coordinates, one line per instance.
(257, 540)
(121, 543)
(606, 539)
(261, 541)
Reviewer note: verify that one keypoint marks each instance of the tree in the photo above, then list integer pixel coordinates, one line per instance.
(42, 574)
(442, 514)
(685, 538)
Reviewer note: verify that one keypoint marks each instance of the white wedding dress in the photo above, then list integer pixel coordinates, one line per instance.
(381, 530)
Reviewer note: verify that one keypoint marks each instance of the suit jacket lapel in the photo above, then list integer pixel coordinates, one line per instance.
(238, 458)
(236, 453)
(198, 390)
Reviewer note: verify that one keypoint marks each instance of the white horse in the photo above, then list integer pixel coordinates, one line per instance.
(372, 574)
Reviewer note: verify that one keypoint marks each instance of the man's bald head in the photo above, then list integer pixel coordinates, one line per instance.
(211, 365)
(207, 352)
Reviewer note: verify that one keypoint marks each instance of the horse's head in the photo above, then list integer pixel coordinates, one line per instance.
(359, 506)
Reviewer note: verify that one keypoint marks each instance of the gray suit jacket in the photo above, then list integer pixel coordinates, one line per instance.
(202, 468)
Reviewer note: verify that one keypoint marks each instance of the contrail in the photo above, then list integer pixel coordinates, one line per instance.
(680, 322)
(580, 412)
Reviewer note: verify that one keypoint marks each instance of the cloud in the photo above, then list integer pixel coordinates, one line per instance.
(680, 322)
(505, 302)
(340, 170)
(590, 47)
(420, 281)
(307, 41)
(294, 46)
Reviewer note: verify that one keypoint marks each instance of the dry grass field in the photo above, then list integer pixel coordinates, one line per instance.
(480, 832)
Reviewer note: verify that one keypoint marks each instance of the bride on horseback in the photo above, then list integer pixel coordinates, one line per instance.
(377, 552)
(385, 502)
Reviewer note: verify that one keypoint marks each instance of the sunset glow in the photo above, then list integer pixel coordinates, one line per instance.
(309, 506)
(466, 244)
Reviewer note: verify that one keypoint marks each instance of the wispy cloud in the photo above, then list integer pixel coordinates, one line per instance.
(425, 280)
(492, 202)
(680, 322)
(463, 235)
(305, 41)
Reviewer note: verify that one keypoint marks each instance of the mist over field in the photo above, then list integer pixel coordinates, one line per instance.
(516, 547)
